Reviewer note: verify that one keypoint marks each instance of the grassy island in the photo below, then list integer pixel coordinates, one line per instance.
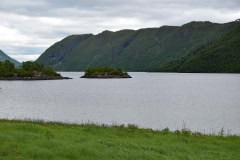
(28, 71)
(50, 141)
(105, 72)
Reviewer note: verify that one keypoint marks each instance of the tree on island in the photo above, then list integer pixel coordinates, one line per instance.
(28, 69)
(105, 72)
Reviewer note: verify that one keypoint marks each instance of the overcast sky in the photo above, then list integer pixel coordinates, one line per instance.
(29, 27)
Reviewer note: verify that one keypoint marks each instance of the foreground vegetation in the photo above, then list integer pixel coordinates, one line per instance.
(38, 140)
(28, 69)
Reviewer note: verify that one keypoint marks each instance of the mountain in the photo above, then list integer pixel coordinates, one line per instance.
(223, 55)
(57, 52)
(140, 50)
(4, 57)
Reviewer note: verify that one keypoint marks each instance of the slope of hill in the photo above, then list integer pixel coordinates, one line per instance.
(222, 55)
(4, 57)
(59, 50)
(140, 50)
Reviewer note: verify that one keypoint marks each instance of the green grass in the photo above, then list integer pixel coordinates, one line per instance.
(39, 140)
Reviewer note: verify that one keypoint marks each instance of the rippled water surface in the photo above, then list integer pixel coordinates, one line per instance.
(201, 102)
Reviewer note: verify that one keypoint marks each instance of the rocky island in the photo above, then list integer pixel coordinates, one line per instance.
(28, 71)
(105, 72)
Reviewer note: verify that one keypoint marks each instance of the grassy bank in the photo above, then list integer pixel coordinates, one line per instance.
(38, 140)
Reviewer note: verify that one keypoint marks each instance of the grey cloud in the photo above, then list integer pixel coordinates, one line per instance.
(38, 24)
(48, 7)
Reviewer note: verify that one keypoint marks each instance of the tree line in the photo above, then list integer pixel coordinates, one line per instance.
(27, 69)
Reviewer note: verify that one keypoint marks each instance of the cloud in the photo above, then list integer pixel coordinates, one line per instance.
(29, 27)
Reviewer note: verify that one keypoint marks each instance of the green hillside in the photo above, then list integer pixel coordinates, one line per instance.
(4, 57)
(141, 50)
(56, 53)
(222, 55)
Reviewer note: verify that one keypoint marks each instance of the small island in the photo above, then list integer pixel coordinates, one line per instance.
(105, 72)
(28, 71)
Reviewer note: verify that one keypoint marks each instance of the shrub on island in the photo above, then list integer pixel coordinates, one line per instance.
(29, 70)
(105, 72)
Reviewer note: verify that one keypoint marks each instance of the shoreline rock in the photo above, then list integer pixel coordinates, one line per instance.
(106, 76)
(32, 78)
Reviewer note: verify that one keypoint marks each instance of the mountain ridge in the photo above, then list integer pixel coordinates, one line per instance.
(4, 56)
(221, 56)
(134, 50)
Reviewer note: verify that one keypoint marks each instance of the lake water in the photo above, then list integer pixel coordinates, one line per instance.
(200, 102)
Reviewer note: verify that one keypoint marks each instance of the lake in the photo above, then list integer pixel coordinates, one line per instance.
(201, 102)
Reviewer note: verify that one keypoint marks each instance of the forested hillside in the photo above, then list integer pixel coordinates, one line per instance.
(142, 50)
(222, 55)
